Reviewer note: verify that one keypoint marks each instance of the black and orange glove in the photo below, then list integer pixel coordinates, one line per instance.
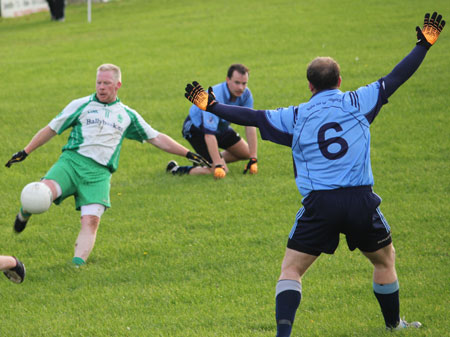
(18, 156)
(432, 27)
(251, 166)
(197, 159)
(219, 172)
(197, 95)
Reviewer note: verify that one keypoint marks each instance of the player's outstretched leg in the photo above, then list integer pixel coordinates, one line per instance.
(90, 221)
(36, 198)
(86, 239)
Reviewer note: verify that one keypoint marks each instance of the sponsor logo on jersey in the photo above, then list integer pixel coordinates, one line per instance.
(92, 112)
(102, 122)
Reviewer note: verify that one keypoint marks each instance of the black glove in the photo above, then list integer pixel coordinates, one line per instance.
(18, 156)
(432, 27)
(197, 95)
(252, 166)
(197, 159)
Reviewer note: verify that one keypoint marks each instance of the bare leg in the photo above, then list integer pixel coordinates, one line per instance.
(86, 238)
(197, 170)
(383, 261)
(238, 151)
(295, 264)
(54, 187)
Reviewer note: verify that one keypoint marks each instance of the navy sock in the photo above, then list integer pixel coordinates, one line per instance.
(183, 170)
(288, 296)
(388, 298)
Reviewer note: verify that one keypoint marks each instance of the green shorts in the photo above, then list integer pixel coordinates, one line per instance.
(82, 177)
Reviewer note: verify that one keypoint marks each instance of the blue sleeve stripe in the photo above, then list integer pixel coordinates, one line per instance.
(295, 114)
(354, 99)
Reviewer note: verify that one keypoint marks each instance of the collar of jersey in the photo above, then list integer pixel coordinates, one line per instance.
(325, 93)
(226, 91)
(94, 98)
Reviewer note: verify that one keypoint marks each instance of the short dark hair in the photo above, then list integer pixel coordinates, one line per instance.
(323, 73)
(240, 68)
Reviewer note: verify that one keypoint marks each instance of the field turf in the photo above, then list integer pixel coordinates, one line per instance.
(190, 256)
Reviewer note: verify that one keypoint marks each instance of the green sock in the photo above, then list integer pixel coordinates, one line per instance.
(24, 214)
(78, 261)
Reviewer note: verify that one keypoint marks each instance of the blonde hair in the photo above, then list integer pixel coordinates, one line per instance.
(111, 67)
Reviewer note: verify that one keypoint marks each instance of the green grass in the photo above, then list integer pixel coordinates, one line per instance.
(189, 256)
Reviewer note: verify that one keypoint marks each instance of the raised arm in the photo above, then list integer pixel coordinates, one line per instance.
(426, 37)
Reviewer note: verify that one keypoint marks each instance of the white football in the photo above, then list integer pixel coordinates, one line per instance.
(36, 198)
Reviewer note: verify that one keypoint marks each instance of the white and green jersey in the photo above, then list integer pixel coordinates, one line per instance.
(98, 129)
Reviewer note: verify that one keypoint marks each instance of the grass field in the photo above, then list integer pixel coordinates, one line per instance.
(189, 256)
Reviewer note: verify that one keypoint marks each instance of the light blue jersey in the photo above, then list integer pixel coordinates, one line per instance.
(329, 137)
(210, 123)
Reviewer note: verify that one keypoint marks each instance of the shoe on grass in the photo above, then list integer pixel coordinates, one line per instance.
(172, 167)
(406, 325)
(16, 274)
(19, 225)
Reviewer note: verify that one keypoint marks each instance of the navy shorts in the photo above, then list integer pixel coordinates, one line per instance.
(196, 138)
(352, 211)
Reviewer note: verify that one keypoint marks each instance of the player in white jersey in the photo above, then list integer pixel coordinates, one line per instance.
(99, 124)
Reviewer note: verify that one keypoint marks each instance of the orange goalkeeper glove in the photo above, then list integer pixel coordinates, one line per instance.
(432, 27)
(251, 166)
(197, 95)
(219, 172)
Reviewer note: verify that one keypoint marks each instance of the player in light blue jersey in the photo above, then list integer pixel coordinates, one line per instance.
(330, 140)
(99, 123)
(207, 132)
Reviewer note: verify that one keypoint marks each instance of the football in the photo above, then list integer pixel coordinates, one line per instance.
(36, 198)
